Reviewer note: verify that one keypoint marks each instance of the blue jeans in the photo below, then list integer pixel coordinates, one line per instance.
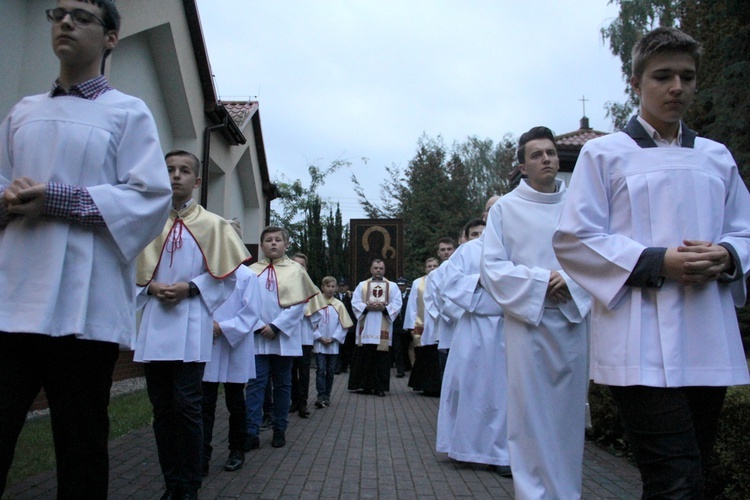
(175, 391)
(672, 432)
(325, 368)
(279, 370)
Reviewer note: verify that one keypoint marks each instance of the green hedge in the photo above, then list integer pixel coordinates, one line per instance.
(729, 473)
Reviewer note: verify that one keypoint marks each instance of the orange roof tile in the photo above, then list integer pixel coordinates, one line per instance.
(240, 111)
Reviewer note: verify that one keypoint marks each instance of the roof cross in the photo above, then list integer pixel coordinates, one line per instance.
(583, 100)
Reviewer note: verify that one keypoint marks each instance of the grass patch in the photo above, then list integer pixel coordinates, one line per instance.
(35, 451)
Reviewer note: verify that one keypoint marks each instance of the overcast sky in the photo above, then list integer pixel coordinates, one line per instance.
(353, 79)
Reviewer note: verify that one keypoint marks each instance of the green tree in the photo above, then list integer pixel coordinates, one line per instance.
(721, 107)
(310, 232)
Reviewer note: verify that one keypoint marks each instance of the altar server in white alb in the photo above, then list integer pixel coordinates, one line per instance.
(183, 276)
(545, 327)
(285, 292)
(473, 414)
(377, 303)
(657, 228)
(331, 325)
(232, 364)
(425, 372)
(82, 190)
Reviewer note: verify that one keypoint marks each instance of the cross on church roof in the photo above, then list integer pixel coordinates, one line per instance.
(583, 100)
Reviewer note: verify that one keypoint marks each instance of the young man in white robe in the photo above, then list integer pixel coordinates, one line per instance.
(376, 303)
(183, 276)
(545, 327)
(657, 228)
(418, 321)
(285, 291)
(82, 191)
(232, 364)
(472, 416)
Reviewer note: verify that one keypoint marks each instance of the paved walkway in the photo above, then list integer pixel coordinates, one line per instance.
(359, 447)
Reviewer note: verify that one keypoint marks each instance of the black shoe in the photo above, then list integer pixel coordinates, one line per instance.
(235, 461)
(279, 439)
(204, 468)
(380, 394)
(171, 494)
(252, 442)
(400, 375)
(502, 470)
(304, 412)
(267, 423)
(319, 404)
(293, 407)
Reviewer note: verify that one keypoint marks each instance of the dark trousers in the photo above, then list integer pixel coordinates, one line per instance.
(398, 351)
(174, 389)
(77, 376)
(346, 350)
(672, 432)
(325, 365)
(301, 377)
(234, 396)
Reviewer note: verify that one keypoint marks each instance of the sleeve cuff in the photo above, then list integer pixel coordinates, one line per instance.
(647, 271)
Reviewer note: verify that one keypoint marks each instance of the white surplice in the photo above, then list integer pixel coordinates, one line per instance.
(546, 344)
(328, 327)
(625, 198)
(473, 412)
(232, 355)
(61, 278)
(181, 331)
(288, 320)
(369, 323)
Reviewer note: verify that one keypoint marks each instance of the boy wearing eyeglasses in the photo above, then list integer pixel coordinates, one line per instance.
(82, 191)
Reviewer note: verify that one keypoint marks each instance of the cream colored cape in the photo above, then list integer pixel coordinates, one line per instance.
(223, 251)
(293, 285)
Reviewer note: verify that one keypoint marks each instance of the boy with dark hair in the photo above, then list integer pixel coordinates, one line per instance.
(657, 228)
(545, 327)
(82, 191)
(183, 276)
(446, 247)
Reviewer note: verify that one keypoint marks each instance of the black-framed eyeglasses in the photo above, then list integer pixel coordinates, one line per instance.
(80, 17)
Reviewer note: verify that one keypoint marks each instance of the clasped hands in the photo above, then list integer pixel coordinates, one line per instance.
(697, 262)
(375, 306)
(169, 293)
(23, 196)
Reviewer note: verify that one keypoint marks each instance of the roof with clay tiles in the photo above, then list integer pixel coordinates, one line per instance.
(577, 138)
(240, 111)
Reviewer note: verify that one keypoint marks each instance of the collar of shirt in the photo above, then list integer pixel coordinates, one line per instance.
(90, 89)
(654, 134)
(187, 204)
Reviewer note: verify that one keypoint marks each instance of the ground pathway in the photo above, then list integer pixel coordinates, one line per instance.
(359, 447)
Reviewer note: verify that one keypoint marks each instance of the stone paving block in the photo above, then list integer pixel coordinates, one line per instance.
(360, 447)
